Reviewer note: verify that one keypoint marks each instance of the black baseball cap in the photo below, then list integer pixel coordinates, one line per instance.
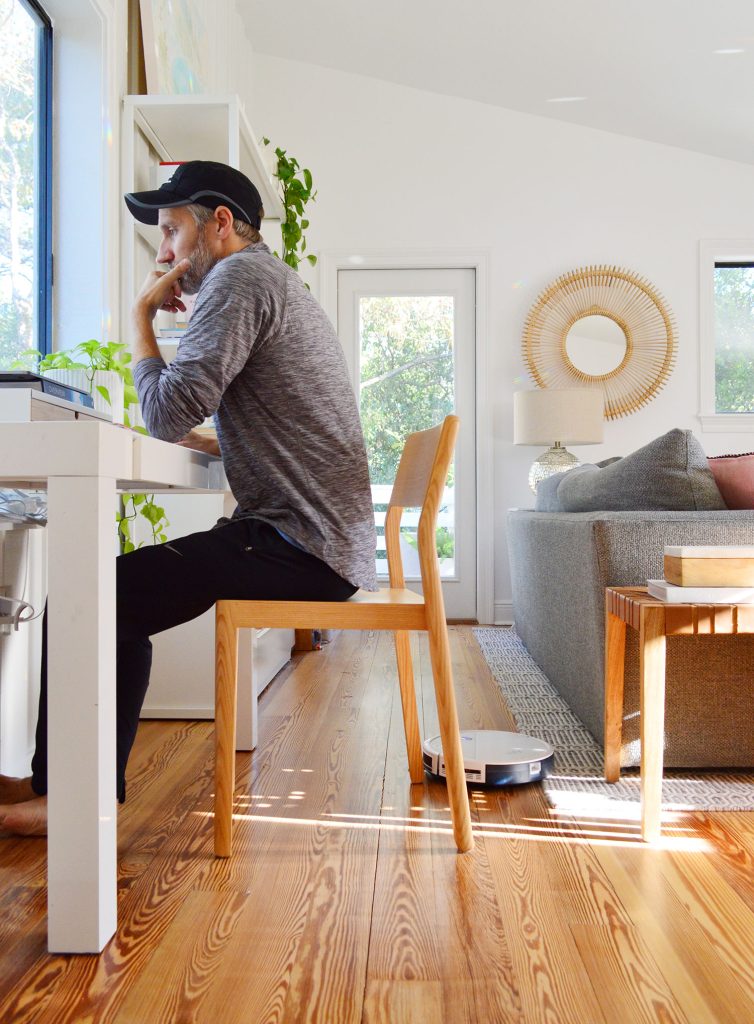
(204, 182)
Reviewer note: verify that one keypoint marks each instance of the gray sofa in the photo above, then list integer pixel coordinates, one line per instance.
(561, 563)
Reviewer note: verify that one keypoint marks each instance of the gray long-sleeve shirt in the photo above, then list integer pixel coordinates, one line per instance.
(261, 355)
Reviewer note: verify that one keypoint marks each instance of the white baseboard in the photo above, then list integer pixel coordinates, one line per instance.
(503, 613)
(182, 712)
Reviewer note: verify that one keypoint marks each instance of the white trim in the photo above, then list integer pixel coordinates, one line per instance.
(204, 713)
(446, 259)
(503, 614)
(710, 252)
(88, 78)
(728, 423)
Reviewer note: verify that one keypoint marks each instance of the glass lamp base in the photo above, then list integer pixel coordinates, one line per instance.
(554, 460)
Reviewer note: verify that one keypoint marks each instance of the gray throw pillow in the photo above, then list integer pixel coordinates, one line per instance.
(547, 490)
(669, 474)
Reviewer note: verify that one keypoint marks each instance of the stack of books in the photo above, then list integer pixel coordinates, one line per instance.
(706, 575)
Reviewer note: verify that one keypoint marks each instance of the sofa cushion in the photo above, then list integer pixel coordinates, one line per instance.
(734, 476)
(670, 473)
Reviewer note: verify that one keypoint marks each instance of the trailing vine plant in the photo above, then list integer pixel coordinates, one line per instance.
(296, 190)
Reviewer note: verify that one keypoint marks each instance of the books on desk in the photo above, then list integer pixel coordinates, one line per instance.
(38, 382)
(662, 590)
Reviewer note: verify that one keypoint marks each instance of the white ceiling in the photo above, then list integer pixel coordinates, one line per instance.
(646, 68)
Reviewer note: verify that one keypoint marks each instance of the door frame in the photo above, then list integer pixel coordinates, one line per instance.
(331, 262)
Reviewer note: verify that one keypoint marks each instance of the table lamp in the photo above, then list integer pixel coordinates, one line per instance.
(557, 416)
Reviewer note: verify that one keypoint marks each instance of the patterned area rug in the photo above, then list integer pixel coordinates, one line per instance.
(577, 785)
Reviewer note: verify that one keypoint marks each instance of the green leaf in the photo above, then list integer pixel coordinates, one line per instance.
(138, 499)
(105, 393)
(128, 548)
(308, 178)
(312, 260)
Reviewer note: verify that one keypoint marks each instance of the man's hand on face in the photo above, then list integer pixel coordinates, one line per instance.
(161, 290)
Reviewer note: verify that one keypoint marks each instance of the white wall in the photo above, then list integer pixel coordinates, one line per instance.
(398, 168)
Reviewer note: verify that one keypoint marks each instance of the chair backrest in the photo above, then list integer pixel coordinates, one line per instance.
(419, 483)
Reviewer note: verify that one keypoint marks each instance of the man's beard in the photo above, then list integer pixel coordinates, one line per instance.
(202, 261)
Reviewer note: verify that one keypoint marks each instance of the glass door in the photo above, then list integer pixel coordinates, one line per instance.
(409, 339)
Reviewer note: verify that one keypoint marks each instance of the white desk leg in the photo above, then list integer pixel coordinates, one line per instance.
(81, 873)
(246, 704)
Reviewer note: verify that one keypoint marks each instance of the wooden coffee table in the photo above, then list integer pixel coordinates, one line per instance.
(653, 620)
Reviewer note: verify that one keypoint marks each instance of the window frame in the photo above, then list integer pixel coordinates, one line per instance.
(43, 240)
(711, 252)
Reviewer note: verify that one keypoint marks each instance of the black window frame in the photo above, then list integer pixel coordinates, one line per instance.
(43, 240)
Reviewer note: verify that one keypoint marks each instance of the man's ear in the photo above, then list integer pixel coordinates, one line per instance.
(223, 221)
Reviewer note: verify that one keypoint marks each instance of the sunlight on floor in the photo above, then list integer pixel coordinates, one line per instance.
(543, 832)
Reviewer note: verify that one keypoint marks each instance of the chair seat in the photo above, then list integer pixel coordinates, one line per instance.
(389, 608)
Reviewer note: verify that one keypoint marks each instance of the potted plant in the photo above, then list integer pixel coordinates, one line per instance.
(103, 371)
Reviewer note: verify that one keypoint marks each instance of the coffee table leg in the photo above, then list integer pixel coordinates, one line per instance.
(615, 651)
(652, 683)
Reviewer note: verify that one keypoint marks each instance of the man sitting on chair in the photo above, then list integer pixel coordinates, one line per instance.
(260, 356)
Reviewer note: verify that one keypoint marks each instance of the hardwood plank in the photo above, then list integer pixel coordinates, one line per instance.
(728, 924)
(615, 959)
(345, 901)
(402, 1002)
(479, 981)
(174, 983)
(706, 991)
(403, 941)
(317, 886)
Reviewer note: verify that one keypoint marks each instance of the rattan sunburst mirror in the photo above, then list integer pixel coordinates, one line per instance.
(602, 327)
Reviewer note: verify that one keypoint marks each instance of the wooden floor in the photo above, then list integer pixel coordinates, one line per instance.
(345, 900)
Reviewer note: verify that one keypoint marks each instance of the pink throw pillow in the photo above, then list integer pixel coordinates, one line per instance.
(734, 476)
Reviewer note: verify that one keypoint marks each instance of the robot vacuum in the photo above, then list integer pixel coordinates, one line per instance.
(493, 758)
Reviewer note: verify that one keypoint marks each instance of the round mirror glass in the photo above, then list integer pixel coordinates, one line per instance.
(596, 345)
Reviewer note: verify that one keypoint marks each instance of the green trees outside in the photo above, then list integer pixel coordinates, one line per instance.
(407, 384)
(17, 131)
(407, 380)
(734, 339)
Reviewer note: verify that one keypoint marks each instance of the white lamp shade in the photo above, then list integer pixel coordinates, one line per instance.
(566, 415)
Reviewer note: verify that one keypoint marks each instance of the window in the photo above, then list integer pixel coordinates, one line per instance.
(25, 178)
(726, 335)
(734, 336)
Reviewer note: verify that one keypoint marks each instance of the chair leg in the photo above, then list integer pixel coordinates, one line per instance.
(450, 736)
(408, 700)
(226, 669)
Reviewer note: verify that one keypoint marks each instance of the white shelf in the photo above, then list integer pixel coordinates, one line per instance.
(169, 128)
(204, 128)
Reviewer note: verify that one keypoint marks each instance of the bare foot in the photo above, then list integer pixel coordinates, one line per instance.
(15, 791)
(25, 819)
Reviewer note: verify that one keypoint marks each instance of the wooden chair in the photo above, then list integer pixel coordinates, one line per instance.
(419, 482)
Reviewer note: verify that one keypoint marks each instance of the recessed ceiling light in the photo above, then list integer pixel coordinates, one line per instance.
(726, 52)
(566, 99)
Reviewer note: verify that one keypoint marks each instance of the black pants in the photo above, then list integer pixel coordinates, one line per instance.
(164, 585)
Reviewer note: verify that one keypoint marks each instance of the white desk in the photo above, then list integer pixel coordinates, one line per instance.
(82, 464)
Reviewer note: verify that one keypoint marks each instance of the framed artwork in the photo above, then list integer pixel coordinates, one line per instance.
(176, 50)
